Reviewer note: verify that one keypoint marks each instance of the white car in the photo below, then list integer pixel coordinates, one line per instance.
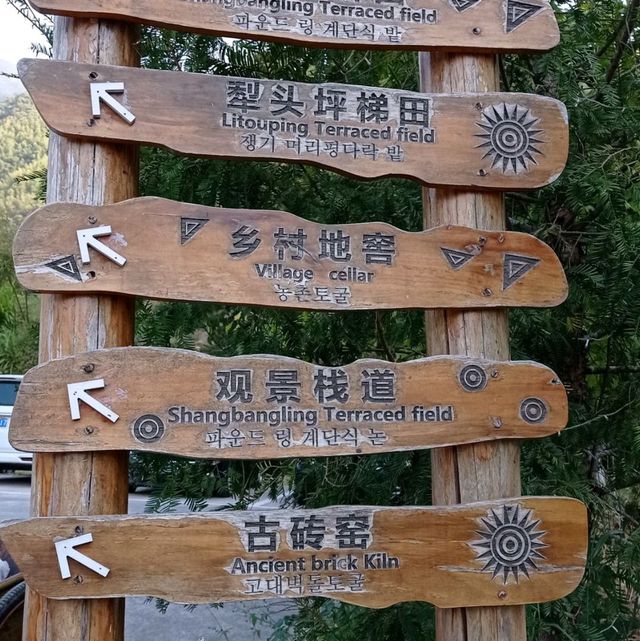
(10, 459)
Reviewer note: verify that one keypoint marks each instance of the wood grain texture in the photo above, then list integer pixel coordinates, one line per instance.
(382, 555)
(487, 25)
(189, 252)
(93, 482)
(488, 141)
(487, 470)
(182, 402)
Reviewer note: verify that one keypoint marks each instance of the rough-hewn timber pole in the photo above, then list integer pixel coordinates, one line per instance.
(65, 484)
(489, 470)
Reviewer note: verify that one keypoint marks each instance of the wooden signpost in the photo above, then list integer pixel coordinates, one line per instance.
(163, 249)
(250, 407)
(488, 141)
(507, 552)
(518, 550)
(490, 25)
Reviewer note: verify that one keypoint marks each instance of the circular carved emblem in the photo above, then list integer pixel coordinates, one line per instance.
(533, 410)
(473, 378)
(509, 137)
(148, 428)
(510, 543)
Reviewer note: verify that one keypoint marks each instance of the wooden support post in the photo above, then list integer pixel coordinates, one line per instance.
(486, 470)
(93, 483)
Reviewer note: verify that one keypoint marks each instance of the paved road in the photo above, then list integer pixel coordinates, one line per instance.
(144, 622)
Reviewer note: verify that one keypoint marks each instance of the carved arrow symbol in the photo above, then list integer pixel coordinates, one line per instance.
(101, 91)
(88, 238)
(78, 392)
(66, 550)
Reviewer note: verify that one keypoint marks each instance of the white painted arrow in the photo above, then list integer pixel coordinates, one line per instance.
(66, 550)
(78, 392)
(101, 91)
(88, 238)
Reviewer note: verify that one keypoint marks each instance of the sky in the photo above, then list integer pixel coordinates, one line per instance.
(16, 35)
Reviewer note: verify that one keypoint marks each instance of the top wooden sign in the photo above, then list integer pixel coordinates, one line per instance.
(484, 141)
(485, 25)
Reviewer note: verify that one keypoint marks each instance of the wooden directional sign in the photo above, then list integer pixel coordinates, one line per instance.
(163, 249)
(259, 407)
(488, 141)
(514, 551)
(488, 25)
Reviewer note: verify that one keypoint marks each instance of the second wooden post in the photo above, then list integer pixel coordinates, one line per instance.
(486, 470)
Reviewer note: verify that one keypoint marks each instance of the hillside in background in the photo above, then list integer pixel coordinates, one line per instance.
(9, 86)
(23, 150)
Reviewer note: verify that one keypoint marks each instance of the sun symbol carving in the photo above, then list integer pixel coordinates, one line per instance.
(509, 137)
(510, 542)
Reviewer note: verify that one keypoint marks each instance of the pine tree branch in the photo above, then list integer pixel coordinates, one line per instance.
(623, 39)
(635, 482)
(613, 369)
(382, 340)
(503, 75)
(44, 26)
(606, 416)
(613, 37)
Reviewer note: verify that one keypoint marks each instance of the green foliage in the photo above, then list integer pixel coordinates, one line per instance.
(23, 150)
(325, 620)
(590, 216)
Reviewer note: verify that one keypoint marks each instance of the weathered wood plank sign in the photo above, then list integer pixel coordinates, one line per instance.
(190, 404)
(486, 25)
(489, 141)
(520, 550)
(163, 249)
